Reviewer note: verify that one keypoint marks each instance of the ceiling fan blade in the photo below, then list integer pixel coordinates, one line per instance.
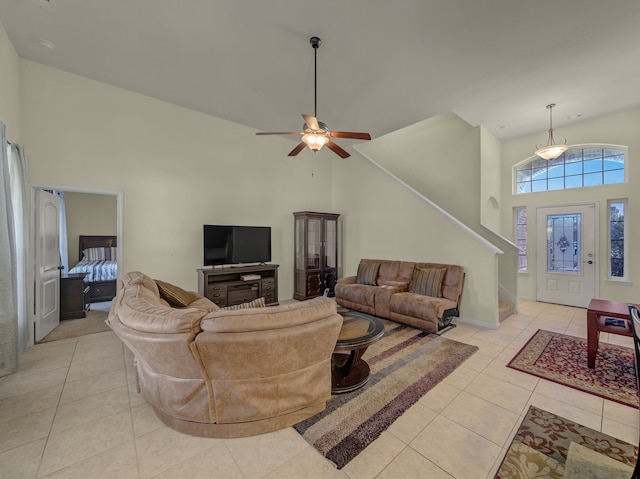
(311, 122)
(337, 150)
(279, 133)
(350, 134)
(297, 149)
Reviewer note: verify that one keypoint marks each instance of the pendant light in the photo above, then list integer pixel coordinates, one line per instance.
(551, 150)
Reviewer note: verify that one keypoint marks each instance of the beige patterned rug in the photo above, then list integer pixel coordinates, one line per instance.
(550, 446)
(563, 359)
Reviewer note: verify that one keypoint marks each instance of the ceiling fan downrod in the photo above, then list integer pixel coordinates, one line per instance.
(315, 43)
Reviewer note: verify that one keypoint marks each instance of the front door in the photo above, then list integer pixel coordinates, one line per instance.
(567, 269)
(47, 262)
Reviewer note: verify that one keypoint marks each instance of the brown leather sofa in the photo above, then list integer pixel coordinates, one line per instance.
(388, 293)
(225, 373)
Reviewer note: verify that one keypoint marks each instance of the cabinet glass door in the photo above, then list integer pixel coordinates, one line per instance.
(331, 243)
(299, 244)
(314, 243)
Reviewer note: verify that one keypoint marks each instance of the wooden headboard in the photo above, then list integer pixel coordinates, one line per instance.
(95, 241)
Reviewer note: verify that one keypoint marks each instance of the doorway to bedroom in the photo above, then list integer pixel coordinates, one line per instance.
(83, 213)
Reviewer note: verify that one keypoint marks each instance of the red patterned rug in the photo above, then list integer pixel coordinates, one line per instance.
(563, 359)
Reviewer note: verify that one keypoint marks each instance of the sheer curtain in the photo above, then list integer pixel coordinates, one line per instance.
(18, 174)
(8, 275)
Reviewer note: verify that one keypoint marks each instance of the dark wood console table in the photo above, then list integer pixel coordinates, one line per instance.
(597, 313)
(225, 287)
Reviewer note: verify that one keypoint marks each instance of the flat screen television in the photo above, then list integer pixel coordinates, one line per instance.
(236, 244)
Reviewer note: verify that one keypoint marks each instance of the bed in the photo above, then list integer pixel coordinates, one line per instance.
(98, 261)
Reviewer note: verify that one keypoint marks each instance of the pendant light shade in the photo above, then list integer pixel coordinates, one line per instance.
(551, 150)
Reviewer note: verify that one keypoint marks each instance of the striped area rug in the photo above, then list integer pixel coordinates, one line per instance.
(405, 364)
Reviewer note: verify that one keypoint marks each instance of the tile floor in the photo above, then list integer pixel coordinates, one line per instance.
(72, 411)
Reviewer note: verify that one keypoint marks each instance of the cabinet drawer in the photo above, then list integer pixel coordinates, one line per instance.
(242, 293)
(103, 290)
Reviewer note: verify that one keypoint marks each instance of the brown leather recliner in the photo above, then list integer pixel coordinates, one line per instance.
(219, 373)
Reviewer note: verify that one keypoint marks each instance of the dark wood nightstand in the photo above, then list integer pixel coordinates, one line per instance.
(73, 292)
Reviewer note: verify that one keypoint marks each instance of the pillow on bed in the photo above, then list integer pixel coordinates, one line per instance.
(174, 295)
(99, 254)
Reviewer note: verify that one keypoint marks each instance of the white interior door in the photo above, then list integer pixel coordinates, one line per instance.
(47, 263)
(566, 265)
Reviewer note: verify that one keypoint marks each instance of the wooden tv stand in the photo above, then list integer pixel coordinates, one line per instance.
(224, 286)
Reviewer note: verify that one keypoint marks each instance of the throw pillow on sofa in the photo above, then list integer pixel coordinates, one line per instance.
(427, 281)
(174, 295)
(367, 273)
(256, 303)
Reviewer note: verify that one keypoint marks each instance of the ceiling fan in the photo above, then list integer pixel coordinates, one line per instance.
(316, 134)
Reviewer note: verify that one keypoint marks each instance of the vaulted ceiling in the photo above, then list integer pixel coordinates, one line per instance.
(382, 65)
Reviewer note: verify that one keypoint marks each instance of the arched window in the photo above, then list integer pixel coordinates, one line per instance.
(578, 167)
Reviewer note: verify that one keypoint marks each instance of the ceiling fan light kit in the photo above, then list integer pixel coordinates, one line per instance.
(315, 133)
(551, 150)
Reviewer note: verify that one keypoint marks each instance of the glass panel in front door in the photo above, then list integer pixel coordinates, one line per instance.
(564, 243)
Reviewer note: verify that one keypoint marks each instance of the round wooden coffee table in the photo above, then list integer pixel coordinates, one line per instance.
(348, 370)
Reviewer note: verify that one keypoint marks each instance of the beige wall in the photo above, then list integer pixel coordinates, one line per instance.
(440, 157)
(177, 170)
(617, 129)
(88, 214)
(9, 87)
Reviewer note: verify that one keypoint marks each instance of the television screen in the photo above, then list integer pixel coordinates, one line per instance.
(236, 244)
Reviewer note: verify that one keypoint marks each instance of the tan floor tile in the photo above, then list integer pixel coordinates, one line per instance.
(164, 448)
(482, 417)
(48, 351)
(410, 464)
(17, 384)
(29, 403)
(370, 462)
(25, 429)
(23, 461)
(586, 401)
(216, 461)
(441, 441)
(495, 337)
(257, 456)
(93, 385)
(501, 393)
(44, 365)
(86, 369)
(620, 413)
(78, 443)
(308, 464)
(89, 352)
(414, 420)
(144, 419)
(119, 462)
(90, 408)
(518, 321)
(461, 377)
(439, 397)
(498, 369)
(484, 347)
(478, 362)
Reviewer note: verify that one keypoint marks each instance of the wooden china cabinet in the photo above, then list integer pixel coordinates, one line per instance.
(316, 254)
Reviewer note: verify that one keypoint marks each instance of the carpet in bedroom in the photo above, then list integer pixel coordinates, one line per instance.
(73, 328)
